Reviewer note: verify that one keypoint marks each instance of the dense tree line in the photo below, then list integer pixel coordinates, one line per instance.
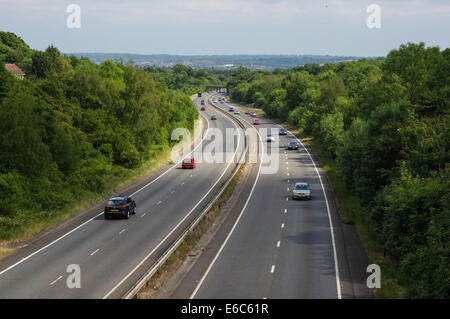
(385, 123)
(14, 50)
(72, 126)
(187, 79)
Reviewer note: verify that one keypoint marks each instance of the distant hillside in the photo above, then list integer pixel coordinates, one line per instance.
(254, 62)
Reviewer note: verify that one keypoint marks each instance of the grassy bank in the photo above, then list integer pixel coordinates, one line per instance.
(31, 225)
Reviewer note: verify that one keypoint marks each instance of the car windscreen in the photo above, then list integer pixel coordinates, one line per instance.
(292, 143)
(116, 202)
(301, 187)
(187, 161)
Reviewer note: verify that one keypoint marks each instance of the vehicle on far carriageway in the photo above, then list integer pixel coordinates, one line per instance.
(292, 145)
(301, 191)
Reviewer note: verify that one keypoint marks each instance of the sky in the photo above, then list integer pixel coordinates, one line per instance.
(197, 27)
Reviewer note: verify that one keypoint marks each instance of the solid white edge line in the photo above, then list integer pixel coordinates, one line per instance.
(89, 220)
(234, 225)
(336, 266)
(176, 226)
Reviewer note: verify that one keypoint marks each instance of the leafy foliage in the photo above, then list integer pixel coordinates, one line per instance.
(71, 126)
(186, 79)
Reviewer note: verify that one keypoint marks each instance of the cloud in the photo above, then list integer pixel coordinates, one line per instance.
(218, 10)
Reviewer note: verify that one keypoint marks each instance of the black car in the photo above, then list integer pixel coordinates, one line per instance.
(231, 109)
(121, 206)
(282, 131)
(213, 117)
(292, 146)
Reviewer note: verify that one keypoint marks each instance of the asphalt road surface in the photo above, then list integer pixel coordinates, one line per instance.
(279, 247)
(113, 254)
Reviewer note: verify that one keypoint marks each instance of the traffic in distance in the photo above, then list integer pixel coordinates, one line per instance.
(123, 207)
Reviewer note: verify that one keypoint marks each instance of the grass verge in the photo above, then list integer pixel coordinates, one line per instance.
(353, 212)
(33, 226)
(191, 240)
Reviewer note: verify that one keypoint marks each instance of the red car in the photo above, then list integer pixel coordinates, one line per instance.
(188, 163)
(247, 112)
(203, 108)
(256, 122)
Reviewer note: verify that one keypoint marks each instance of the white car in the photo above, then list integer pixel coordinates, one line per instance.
(236, 111)
(301, 191)
(270, 138)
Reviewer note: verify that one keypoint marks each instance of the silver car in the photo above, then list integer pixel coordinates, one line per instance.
(301, 191)
(270, 138)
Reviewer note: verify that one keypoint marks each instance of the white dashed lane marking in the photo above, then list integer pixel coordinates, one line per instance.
(54, 282)
(94, 252)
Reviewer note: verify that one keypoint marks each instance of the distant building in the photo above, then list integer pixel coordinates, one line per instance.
(14, 69)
